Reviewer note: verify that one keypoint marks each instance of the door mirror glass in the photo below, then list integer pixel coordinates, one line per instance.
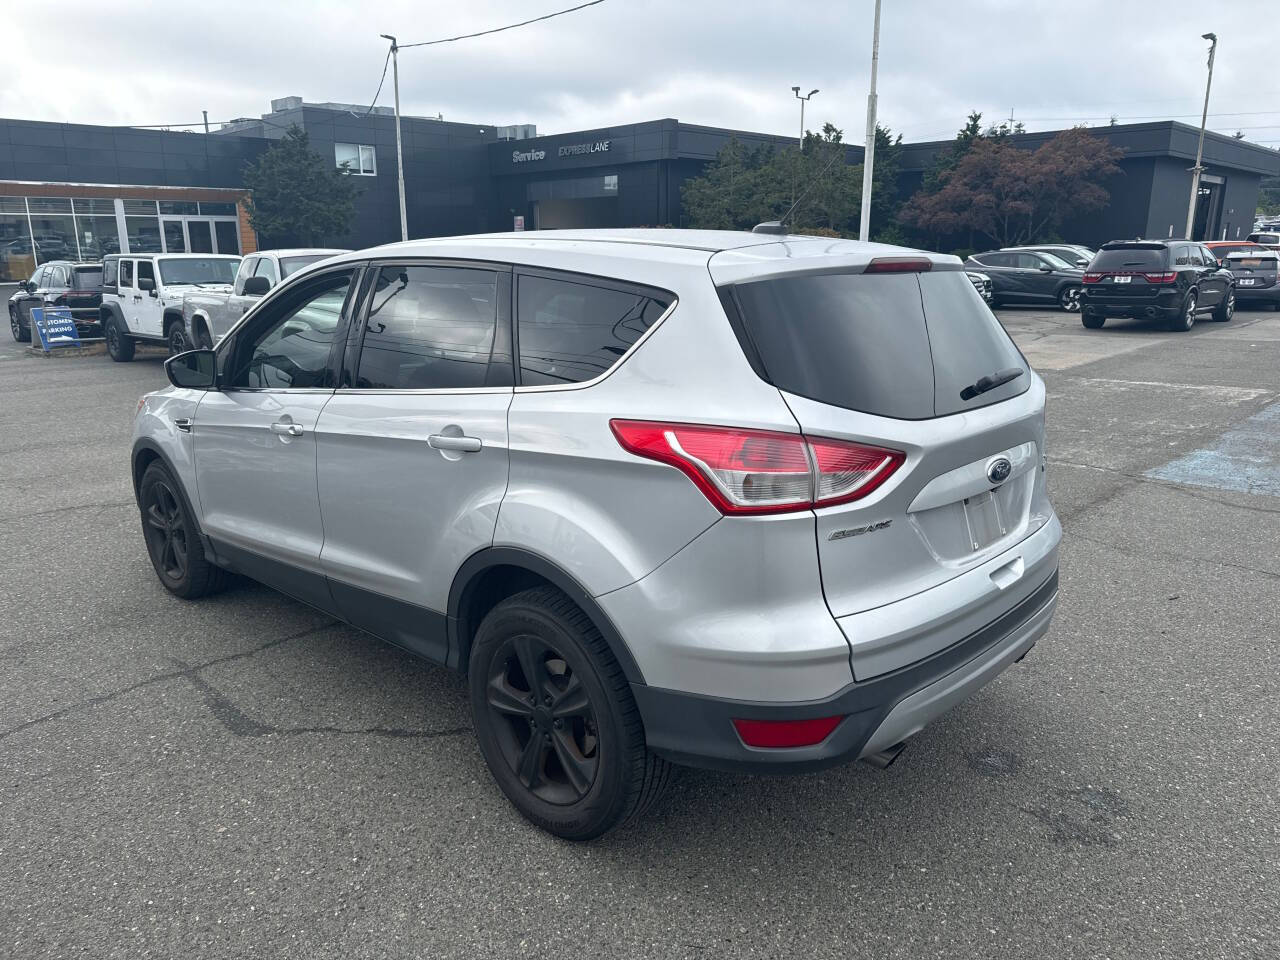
(195, 369)
(256, 286)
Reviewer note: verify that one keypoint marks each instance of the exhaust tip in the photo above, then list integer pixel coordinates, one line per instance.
(883, 759)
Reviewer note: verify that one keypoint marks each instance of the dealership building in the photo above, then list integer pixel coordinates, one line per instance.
(73, 191)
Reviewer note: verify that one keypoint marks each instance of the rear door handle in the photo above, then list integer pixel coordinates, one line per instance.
(288, 429)
(461, 444)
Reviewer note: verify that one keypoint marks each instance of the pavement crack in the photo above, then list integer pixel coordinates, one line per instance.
(159, 678)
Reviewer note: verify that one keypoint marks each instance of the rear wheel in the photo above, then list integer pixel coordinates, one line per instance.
(172, 542)
(119, 343)
(21, 332)
(1093, 321)
(1187, 318)
(1069, 299)
(555, 718)
(1226, 309)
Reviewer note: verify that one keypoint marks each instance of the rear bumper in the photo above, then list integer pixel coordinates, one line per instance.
(1166, 303)
(878, 713)
(1258, 294)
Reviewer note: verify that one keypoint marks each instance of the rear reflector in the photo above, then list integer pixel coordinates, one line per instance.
(745, 471)
(785, 733)
(899, 265)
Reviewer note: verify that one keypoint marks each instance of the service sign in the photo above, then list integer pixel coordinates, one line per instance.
(56, 327)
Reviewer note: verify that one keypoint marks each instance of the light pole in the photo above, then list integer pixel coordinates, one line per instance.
(803, 101)
(395, 80)
(1198, 169)
(869, 155)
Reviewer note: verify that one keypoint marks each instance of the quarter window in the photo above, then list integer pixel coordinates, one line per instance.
(359, 158)
(288, 346)
(430, 328)
(570, 331)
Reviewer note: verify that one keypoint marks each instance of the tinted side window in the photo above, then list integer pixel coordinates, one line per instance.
(569, 332)
(110, 272)
(146, 271)
(999, 259)
(429, 328)
(126, 273)
(288, 345)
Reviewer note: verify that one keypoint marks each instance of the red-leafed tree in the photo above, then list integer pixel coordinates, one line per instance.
(1012, 195)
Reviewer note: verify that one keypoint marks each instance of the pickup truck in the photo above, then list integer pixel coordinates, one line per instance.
(208, 313)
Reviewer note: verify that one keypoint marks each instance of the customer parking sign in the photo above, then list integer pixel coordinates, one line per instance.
(56, 327)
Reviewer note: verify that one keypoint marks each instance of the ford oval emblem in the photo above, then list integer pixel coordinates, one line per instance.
(998, 470)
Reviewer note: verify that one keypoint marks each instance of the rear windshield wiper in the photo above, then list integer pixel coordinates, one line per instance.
(997, 379)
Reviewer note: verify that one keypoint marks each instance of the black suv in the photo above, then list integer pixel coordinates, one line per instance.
(59, 283)
(1173, 280)
(1029, 276)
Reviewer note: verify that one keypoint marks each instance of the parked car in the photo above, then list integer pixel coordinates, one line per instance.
(1268, 239)
(61, 283)
(142, 296)
(1255, 277)
(1021, 276)
(1172, 280)
(982, 283)
(208, 312)
(1072, 253)
(1221, 248)
(690, 496)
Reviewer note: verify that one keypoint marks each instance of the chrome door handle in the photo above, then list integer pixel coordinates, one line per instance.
(461, 444)
(288, 429)
(183, 424)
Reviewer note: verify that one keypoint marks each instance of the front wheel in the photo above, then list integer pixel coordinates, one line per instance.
(1069, 299)
(555, 718)
(172, 541)
(1186, 319)
(119, 344)
(21, 332)
(177, 340)
(1226, 309)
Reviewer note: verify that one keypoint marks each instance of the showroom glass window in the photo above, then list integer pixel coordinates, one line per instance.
(142, 224)
(430, 328)
(572, 331)
(53, 228)
(96, 227)
(289, 344)
(17, 259)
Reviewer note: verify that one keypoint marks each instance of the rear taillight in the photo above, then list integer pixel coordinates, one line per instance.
(1161, 277)
(761, 471)
(1093, 278)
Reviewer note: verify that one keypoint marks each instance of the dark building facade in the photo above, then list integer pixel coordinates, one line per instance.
(72, 190)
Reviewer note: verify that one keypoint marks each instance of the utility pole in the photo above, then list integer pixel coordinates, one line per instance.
(869, 155)
(206, 121)
(395, 80)
(1204, 117)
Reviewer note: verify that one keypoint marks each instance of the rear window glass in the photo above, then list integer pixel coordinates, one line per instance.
(88, 278)
(1251, 260)
(291, 265)
(1129, 258)
(1265, 238)
(892, 345)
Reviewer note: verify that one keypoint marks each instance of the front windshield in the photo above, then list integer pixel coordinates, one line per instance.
(198, 270)
(1057, 262)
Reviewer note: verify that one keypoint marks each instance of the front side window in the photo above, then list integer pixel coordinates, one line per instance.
(146, 272)
(358, 157)
(38, 277)
(267, 268)
(571, 331)
(288, 346)
(430, 328)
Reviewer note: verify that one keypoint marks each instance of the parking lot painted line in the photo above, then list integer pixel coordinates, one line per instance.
(1246, 459)
(1063, 351)
(1226, 394)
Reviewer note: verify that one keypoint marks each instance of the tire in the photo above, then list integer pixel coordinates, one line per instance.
(1069, 299)
(608, 775)
(21, 331)
(1093, 321)
(1224, 311)
(173, 543)
(177, 339)
(119, 343)
(1186, 319)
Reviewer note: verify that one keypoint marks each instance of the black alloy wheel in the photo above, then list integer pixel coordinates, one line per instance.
(1187, 318)
(1225, 310)
(543, 720)
(21, 332)
(178, 340)
(166, 531)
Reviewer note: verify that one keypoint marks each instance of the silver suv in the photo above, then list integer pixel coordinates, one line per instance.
(741, 501)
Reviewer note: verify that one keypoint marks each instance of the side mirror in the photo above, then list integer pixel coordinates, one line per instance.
(147, 283)
(256, 286)
(194, 370)
(1046, 269)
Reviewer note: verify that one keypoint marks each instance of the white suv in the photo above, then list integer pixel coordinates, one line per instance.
(142, 295)
(744, 501)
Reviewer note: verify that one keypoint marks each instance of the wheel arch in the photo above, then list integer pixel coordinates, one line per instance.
(171, 316)
(111, 311)
(492, 574)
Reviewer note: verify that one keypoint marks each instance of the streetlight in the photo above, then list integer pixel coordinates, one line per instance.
(395, 76)
(803, 101)
(869, 154)
(1198, 169)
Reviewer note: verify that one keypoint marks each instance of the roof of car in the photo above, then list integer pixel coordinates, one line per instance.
(300, 251)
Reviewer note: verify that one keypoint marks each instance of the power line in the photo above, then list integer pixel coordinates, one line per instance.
(510, 26)
(383, 80)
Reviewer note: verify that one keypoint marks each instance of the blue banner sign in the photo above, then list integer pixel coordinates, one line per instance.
(56, 327)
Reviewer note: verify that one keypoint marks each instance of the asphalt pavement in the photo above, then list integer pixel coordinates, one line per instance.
(244, 777)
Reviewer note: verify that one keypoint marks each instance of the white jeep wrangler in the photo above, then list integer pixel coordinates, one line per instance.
(142, 296)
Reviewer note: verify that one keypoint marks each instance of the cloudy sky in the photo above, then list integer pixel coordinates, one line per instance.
(718, 62)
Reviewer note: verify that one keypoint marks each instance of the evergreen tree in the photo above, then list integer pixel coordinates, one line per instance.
(297, 198)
